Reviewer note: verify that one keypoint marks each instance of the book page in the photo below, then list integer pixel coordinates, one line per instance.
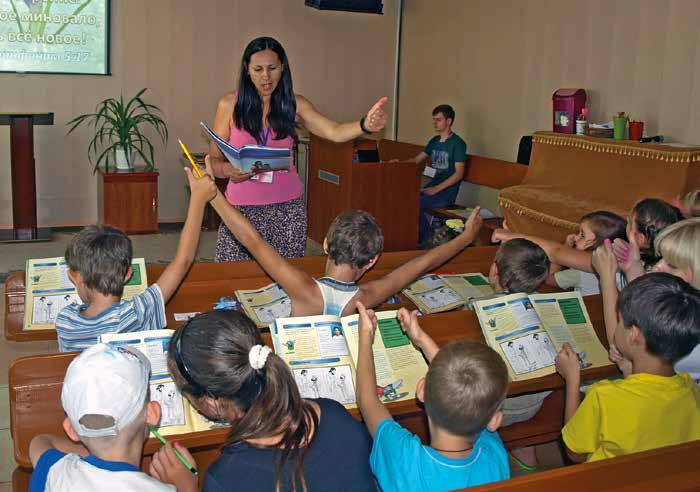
(177, 414)
(565, 319)
(398, 364)
(316, 350)
(513, 328)
(469, 285)
(265, 305)
(431, 294)
(49, 289)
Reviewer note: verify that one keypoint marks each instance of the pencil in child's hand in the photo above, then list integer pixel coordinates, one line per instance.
(194, 164)
(177, 453)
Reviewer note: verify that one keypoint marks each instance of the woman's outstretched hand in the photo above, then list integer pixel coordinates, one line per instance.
(376, 117)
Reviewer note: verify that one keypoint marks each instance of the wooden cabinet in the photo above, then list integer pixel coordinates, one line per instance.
(129, 201)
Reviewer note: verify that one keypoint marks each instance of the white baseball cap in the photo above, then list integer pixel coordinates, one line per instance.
(106, 380)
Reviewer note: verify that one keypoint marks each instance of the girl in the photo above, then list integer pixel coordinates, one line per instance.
(648, 218)
(278, 440)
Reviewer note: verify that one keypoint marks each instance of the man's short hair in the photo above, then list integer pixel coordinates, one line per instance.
(446, 110)
(102, 255)
(465, 386)
(605, 225)
(354, 238)
(667, 311)
(522, 266)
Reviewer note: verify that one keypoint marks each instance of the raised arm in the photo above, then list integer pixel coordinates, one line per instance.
(409, 324)
(316, 123)
(371, 407)
(558, 253)
(299, 285)
(203, 190)
(374, 292)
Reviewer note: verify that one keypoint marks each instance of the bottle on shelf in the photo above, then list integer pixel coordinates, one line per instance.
(582, 122)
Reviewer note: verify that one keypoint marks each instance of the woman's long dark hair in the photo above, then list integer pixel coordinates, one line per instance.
(211, 354)
(283, 105)
(651, 216)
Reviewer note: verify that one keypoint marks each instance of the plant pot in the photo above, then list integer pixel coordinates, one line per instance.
(124, 162)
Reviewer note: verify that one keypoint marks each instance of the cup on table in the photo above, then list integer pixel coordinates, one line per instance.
(636, 130)
(619, 126)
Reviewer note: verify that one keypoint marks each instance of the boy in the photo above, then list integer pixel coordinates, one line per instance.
(448, 154)
(463, 392)
(106, 432)
(659, 323)
(99, 264)
(353, 244)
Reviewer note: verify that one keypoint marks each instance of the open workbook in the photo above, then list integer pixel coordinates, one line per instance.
(252, 158)
(529, 330)
(178, 416)
(48, 290)
(436, 293)
(322, 354)
(266, 304)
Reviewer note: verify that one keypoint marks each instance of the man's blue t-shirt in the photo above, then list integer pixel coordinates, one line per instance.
(444, 155)
(401, 462)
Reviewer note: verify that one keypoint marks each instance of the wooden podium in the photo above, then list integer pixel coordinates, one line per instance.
(24, 176)
(387, 190)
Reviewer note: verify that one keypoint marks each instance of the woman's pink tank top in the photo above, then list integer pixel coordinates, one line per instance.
(285, 185)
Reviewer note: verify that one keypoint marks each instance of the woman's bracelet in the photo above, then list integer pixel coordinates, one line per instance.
(363, 127)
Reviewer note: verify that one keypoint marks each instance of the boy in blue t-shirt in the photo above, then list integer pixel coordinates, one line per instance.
(448, 153)
(463, 391)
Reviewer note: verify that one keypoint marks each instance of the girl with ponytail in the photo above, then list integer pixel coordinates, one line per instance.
(278, 441)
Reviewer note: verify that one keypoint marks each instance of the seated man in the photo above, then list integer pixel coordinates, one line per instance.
(448, 153)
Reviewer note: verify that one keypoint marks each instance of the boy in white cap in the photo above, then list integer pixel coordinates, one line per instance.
(105, 397)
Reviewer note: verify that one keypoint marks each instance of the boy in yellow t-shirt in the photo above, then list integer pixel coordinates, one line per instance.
(659, 323)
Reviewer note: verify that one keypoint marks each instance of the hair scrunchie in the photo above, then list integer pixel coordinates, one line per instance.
(258, 356)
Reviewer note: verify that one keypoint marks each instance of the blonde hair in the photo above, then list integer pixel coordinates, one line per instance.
(691, 203)
(679, 244)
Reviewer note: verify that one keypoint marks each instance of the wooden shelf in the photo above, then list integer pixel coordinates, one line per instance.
(129, 201)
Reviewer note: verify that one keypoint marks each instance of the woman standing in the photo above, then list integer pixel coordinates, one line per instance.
(265, 111)
(278, 441)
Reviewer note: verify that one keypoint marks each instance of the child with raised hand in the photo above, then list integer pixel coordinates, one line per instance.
(106, 431)
(652, 407)
(353, 243)
(463, 391)
(575, 252)
(648, 218)
(99, 264)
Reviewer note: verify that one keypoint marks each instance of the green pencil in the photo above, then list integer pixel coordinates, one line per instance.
(177, 453)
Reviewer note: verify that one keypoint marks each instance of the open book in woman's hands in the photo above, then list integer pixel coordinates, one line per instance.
(252, 158)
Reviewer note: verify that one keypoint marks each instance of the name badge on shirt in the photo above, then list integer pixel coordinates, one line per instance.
(263, 177)
(429, 171)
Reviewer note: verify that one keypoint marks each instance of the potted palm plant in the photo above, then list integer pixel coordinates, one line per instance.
(119, 132)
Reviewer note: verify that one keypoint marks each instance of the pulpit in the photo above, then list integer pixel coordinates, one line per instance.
(24, 176)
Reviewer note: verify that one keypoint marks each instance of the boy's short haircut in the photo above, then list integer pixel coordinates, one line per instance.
(102, 255)
(465, 386)
(522, 266)
(446, 110)
(605, 225)
(354, 238)
(667, 311)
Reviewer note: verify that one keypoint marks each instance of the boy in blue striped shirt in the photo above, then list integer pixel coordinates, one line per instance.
(99, 264)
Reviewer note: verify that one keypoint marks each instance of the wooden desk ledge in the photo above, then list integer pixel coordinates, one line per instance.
(669, 469)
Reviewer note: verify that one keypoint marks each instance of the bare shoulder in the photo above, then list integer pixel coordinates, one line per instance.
(228, 101)
(303, 104)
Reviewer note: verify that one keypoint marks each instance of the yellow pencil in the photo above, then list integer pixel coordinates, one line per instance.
(194, 164)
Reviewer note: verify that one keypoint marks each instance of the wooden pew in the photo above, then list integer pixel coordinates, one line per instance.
(206, 282)
(669, 469)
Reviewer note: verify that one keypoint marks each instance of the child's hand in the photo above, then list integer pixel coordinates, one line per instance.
(166, 467)
(368, 322)
(505, 225)
(409, 324)
(570, 240)
(203, 189)
(624, 364)
(604, 261)
(568, 365)
(627, 255)
(473, 223)
(501, 235)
